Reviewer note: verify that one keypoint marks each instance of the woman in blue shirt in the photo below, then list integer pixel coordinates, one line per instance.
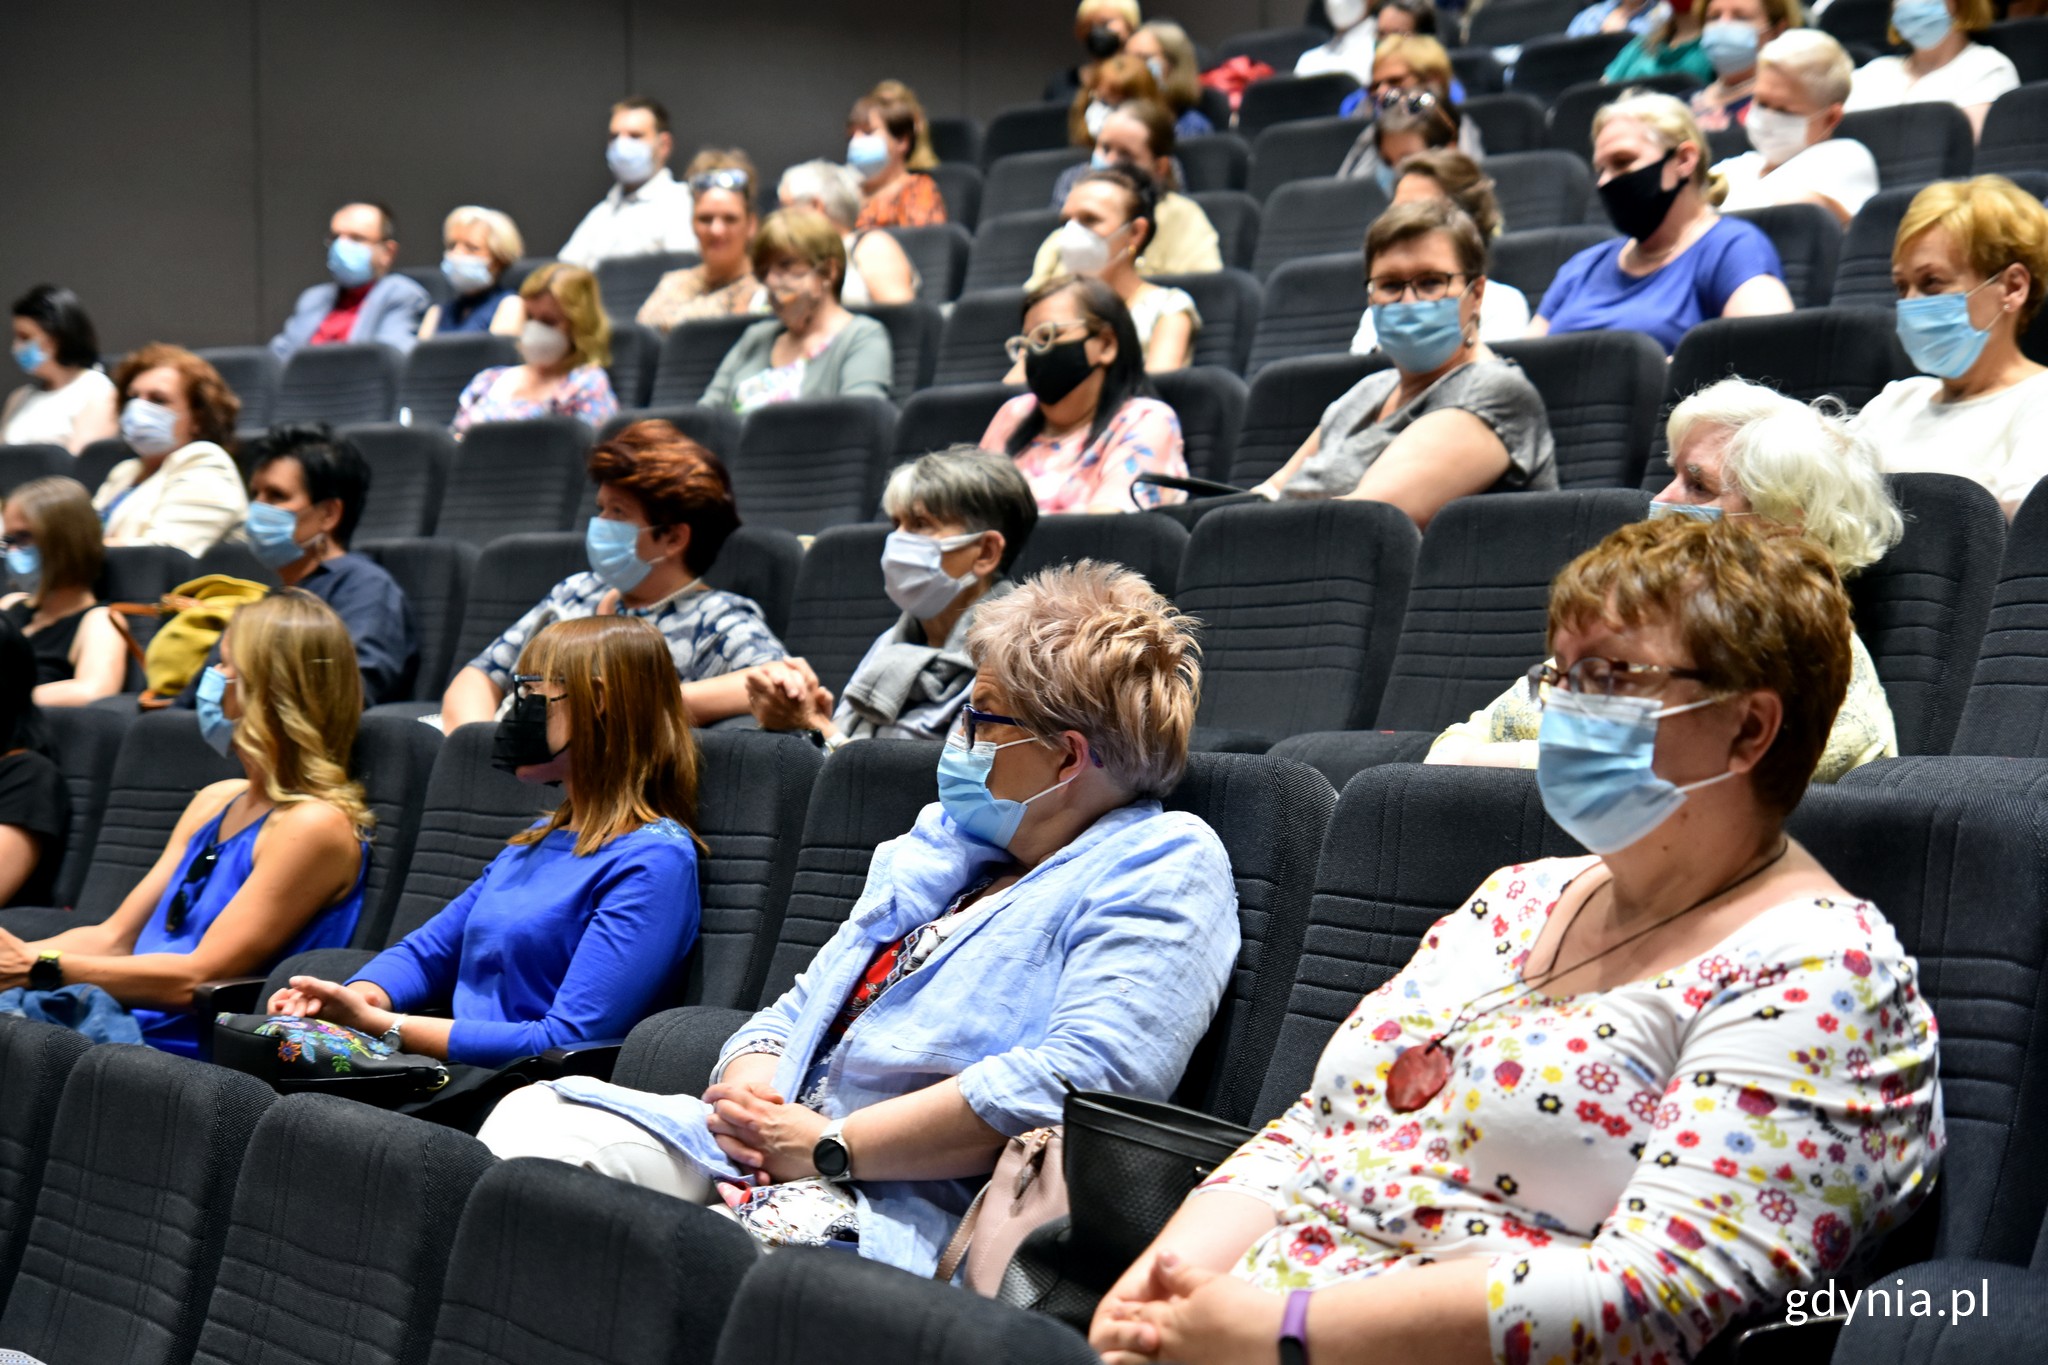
(479, 246)
(1678, 261)
(258, 868)
(581, 927)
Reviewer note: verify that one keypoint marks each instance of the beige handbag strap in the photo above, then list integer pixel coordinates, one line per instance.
(1030, 1150)
(956, 1248)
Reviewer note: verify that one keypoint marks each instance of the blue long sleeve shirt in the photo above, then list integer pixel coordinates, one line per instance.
(547, 948)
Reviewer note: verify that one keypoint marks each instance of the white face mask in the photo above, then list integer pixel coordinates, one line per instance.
(540, 344)
(1082, 252)
(1094, 116)
(1778, 135)
(1344, 14)
(913, 576)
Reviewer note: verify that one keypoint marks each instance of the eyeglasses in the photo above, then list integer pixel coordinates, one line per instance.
(1041, 339)
(975, 719)
(730, 178)
(524, 684)
(334, 237)
(194, 882)
(1428, 287)
(1414, 101)
(1594, 676)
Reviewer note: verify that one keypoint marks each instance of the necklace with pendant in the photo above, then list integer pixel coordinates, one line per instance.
(1421, 1070)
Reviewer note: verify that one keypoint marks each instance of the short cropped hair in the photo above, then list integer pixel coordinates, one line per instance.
(1814, 60)
(1995, 222)
(805, 236)
(1092, 647)
(650, 104)
(1406, 222)
(677, 483)
(501, 234)
(331, 466)
(590, 330)
(387, 221)
(1667, 118)
(1462, 180)
(67, 529)
(58, 311)
(214, 405)
(1758, 607)
(835, 187)
(978, 488)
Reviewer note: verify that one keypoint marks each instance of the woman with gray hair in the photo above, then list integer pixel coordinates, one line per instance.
(877, 270)
(478, 246)
(1742, 450)
(961, 517)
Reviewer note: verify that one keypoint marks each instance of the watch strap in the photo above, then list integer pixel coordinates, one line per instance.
(1294, 1328)
(835, 1133)
(46, 973)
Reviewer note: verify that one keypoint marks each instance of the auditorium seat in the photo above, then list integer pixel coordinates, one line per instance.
(1283, 99)
(840, 605)
(1153, 546)
(1307, 150)
(1541, 189)
(952, 414)
(98, 459)
(1316, 217)
(1508, 123)
(408, 477)
(20, 463)
(814, 463)
(960, 186)
(1809, 244)
(956, 138)
(971, 348)
(1478, 70)
(1230, 302)
(438, 369)
(1023, 128)
(236, 558)
(913, 342)
(1312, 308)
(1278, 48)
(1864, 277)
(87, 743)
(515, 477)
(1602, 391)
(1572, 110)
(1519, 21)
(1530, 260)
(434, 576)
(35, 1061)
(1552, 63)
(636, 352)
(1236, 217)
(1004, 248)
(1913, 143)
(1213, 161)
(1210, 403)
(1022, 182)
(938, 253)
(143, 573)
(1865, 23)
(2016, 130)
(760, 563)
(624, 282)
(690, 356)
(339, 384)
(716, 429)
(254, 374)
(2006, 712)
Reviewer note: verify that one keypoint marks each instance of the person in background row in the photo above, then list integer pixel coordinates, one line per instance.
(1101, 27)
(1397, 18)
(665, 509)
(1450, 418)
(68, 400)
(1109, 216)
(962, 516)
(1350, 47)
(877, 270)
(646, 211)
(922, 157)
(1092, 422)
(182, 488)
(478, 245)
(1184, 241)
(1735, 34)
(812, 347)
(722, 283)
(1169, 54)
(54, 557)
(1946, 66)
(1969, 261)
(258, 868)
(880, 136)
(1452, 177)
(35, 808)
(1801, 80)
(1615, 16)
(365, 301)
(1410, 125)
(1405, 69)
(1677, 262)
(1111, 84)
(563, 349)
(1671, 47)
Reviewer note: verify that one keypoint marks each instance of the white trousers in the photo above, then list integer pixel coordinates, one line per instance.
(535, 1121)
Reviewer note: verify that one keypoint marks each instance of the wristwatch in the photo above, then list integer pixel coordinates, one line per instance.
(390, 1037)
(1294, 1328)
(830, 1156)
(46, 973)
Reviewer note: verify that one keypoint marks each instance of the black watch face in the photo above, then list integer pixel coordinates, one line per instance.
(830, 1158)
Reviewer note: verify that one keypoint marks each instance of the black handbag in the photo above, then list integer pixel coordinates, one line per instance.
(311, 1054)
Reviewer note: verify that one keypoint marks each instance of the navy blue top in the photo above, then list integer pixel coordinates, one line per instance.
(547, 949)
(379, 619)
(471, 312)
(1593, 293)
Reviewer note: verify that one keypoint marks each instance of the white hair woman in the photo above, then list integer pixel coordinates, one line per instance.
(478, 245)
(877, 270)
(1802, 78)
(1742, 450)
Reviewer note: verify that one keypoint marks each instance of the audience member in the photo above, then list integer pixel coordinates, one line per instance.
(1101, 27)
(1678, 262)
(1092, 422)
(881, 134)
(35, 808)
(1615, 16)
(68, 401)
(1184, 241)
(1109, 216)
(1450, 418)
(1111, 84)
(1969, 260)
(812, 347)
(1743, 450)
(54, 557)
(922, 156)
(580, 928)
(722, 284)
(563, 350)
(1451, 176)
(665, 509)
(1407, 125)
(1050, 880)
(877, 270)
(1349, 50)
(1401, 17)
(478, 245)
(647, 211)
(1169, 54)
(258, 868)
(1946, 66)
(1801, 80)
(365, 301)
(181, 488)
(962, 516)
(1671, 47)
(1559, 1197)
(1405, 69)
(1735, 34)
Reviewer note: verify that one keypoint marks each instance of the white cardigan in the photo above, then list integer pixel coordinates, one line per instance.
(193, 500)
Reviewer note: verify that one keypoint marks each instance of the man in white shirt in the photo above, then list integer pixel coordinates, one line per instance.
(1350, 47)
(648, 210)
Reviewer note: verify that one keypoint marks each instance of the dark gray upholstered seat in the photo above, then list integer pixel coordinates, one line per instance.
(1302, 150)
(760, 563)
(1508, 123)
(438, 369)
(1913, 144)
(1283, 99)
(1316, 218)
(1550, 62)
(971, 347)
(1519, 21)
(408, 477)
(913, 330)
(515, 477)
(938, 253)
(814, 463)
(1809, 244)
(435, 576)
(2016, 130)
(35, 1061)
(952, 414)
(87, 743)
(512, 574)
(254, 373)
(1230, 302)
(2006, 712)
(1005, 247)
(357, 382)
(1238, 221)
(1602, 392)
(1529, 260)
(1312, 308)
(1540, 189)
(1572, 110)
(1023, 181)
(717, 430)
(626, 281)
(690, 356)
(840, 605)
(1153, 546)
(1023, 128)
(1213, 161)
(1210, 403)
(960, 186)
(636, 351)
(1286, 401)
(20, 463)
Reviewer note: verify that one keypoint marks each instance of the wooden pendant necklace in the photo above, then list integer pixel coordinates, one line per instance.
(1421, 1071)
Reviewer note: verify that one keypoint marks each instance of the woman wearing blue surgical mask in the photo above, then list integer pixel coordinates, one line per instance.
(1449, 417)
(1946, 66)
(564, 346)
(182, 488)
(1109, 217)
(1802, 77)
(961, 517)
(1743, 451)
(881, 137)
(1969, 260)
(1448, 175)
(68, 400)
(1735, 34)
(478, 246)
(54, 557)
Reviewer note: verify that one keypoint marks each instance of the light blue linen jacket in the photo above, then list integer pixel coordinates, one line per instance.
(1103, 964)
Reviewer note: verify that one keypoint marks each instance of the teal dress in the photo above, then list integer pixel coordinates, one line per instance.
(1643, 58)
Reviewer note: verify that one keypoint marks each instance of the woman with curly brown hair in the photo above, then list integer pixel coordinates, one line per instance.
(182, 487)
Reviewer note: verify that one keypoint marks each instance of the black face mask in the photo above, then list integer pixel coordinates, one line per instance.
(1103, 42)
(1053, 374)
(522, 739)
(1637, 201)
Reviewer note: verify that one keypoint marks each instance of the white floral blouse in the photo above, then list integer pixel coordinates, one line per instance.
(1641, 1166)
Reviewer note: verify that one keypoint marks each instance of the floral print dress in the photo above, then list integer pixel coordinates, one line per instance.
(1067, 474)
(1639, 1167)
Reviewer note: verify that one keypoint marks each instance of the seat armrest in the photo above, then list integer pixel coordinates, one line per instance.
(228, 995)
(595, 1059)
(1207, 488)
(1785, 1343)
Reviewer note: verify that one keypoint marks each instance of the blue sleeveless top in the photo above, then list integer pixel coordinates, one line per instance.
(471, 312)
(175, 1031)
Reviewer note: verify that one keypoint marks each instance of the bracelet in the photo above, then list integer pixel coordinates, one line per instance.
(1294, 1328)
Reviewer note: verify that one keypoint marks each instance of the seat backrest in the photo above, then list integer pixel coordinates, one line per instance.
(389, 1193)
(814, 463)
(953, 414)
(1862, 22)
(971, 348)
(133, 1210)
(1214, 161)
(760, 563)
(20, 463)
(959, 186)
(2025, 43)
(253, 372)
(938, 253)
(394, 760)
(1282, 99)
(1278, 48)
(2006, 714)
(1209, 401)
(1478, 70)
(1004, 248)
(1023, 181)
(716, 429)
(752, 789)
(1602, 391)
(1913, 143)
(1921, 609)
(1809, 243)
(1572, 110)
(548, 1254)
(1541, 189)
(840, 605)
(1518, 21)
(1153, 546)
(624, 282)
(408, 477)
(1313, 306)
(1508, 123)
(1236, 217)
(1863, 274)
(87, 743)
(636, 350)
(690, 355)
(1024, 128)
(438, 369)
(98, 459)
(1286, 401)
(1479, 612)
(2016, 130)
(1230, 302)
(1303, 150)
(1315, 218)
(1549, 66)
(338, 384)
(512, 574)
(913, 342)
(435, 577)
(956, 139)
(161, 763)
(35, 1061)
(1851, 353)
(1301, 606)
(1530, 260)
(237, 559)
(513, 477)
(144, 573)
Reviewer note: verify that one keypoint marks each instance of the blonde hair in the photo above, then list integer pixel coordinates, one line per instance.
(1128, 77)
(501, 234)
(1671, 124)
(302, 700)
(1995, 222)
(1425, 56)
(805, 234)
(1091, 647)
(1799, 465)
(1971, 16)
(590, 331)
(893, 92)
(1126, 10)
(67, 532)
(1814, 59)
(1182, 87)
(726, 159)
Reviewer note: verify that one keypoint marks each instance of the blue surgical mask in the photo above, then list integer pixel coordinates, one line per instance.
(1420, 336)
(613, 550)
(1698, 511)
(1157, 66)
(867, 153)
(1386, 178)
(349, 262)
(1935, 329)
(963, 791)
(1098, 160)
(272, 533)
(1730, 46)
(631, 160)
(28, 355)
(467, 274)
(1595, 767)
(1923, 23)
(149, 428)
(214, 726)
(25, 565)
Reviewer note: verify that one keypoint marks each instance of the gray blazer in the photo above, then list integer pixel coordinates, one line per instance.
(858, 363)
(391, 314)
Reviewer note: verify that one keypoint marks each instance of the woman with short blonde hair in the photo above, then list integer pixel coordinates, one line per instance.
(812, 347)
(478, 246)
(564, 347)
(1946, 66)
(54, 557)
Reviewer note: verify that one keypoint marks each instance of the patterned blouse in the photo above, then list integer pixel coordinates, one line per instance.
(683, 296)
(913, 201)
(1143, 438)
(586, 393)
(1638, 1167)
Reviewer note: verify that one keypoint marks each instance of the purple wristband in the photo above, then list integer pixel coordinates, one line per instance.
(1294, 1328)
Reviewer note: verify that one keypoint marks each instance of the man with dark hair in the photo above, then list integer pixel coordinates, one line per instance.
(648, 210)
(364, 301)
